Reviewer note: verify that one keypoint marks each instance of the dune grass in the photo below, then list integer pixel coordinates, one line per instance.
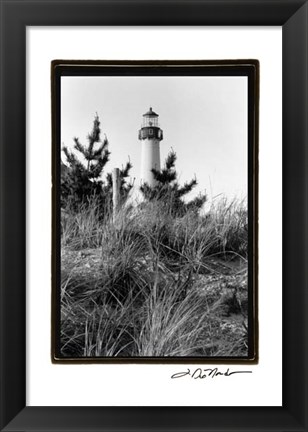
(159, 285)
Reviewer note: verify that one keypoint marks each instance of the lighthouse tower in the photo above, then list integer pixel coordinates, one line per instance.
(150, 136)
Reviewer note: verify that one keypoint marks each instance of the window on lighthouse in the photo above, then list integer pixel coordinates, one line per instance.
(150, 131)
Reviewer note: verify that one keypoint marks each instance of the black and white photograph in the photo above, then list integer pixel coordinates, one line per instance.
(155, 186)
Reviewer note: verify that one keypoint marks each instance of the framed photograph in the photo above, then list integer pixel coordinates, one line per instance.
(151, 266)
(72, 383)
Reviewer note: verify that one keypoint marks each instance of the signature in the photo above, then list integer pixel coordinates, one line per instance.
(206, 373)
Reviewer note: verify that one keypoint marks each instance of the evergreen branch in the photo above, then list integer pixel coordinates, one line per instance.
(81, 148)
(187, 187)
(96, 169)
(156, 174)
(96, 154)
(94, 136)
(109, 180)
(69, 155)
(102, 148)
(124, 172)
(170, 161)
(164, 176)
(74, 163)
(104, 158)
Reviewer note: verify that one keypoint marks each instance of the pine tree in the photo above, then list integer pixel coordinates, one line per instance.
(82, 180)
(168, 190)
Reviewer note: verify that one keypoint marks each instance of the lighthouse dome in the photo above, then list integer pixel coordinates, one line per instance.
(150, 113)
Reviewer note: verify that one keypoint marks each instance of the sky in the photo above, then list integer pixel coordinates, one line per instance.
(204, 120)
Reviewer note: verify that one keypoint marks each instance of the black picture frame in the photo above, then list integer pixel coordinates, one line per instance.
(15, 16)
(248, 68)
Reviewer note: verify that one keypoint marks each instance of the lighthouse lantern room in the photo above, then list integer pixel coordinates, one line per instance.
(150, 126)
(150, 136)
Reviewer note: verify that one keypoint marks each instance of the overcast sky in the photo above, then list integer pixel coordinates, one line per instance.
(204, 119)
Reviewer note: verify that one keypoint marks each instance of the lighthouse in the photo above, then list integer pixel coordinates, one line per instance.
(150, 136)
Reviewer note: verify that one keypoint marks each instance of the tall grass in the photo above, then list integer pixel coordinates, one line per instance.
(148, 296)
